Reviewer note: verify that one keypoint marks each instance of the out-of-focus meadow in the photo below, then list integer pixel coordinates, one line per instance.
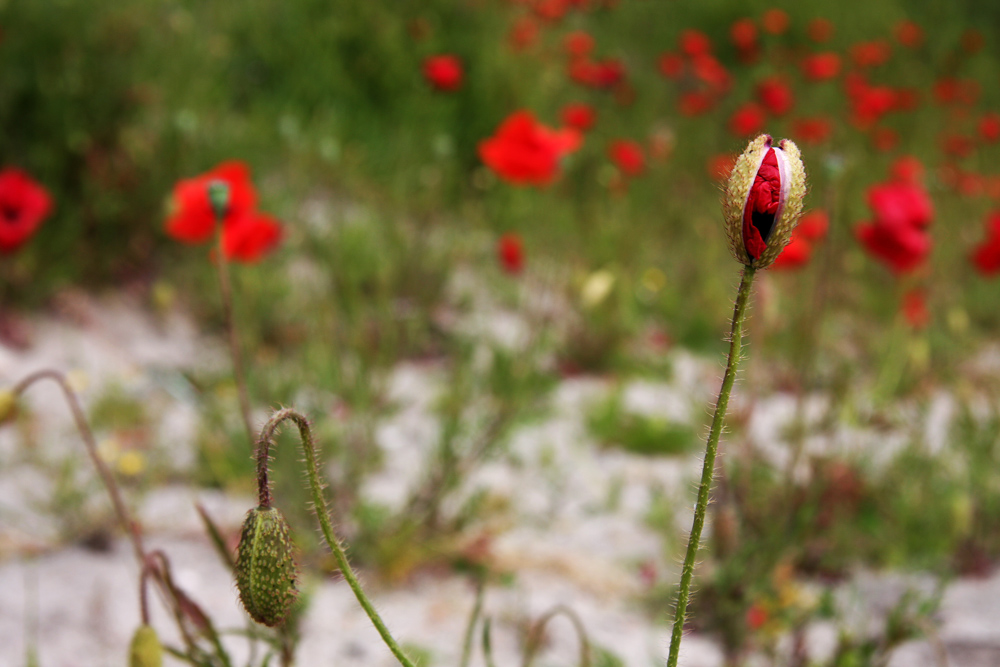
(522, 195)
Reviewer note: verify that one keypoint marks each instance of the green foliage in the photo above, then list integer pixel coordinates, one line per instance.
(615, 426)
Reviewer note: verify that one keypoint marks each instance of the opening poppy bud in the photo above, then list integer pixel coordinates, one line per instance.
(145, 649)
(763, 199)
(265, 568)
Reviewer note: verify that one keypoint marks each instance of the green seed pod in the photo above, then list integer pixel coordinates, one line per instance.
(145, 650)
(763, 200)
(265, 568)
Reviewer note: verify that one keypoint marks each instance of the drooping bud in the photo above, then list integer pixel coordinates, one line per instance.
(763, 200)
(265, 567)
(145, 649)
(218, 197)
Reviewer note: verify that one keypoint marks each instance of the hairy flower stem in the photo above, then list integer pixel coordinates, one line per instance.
(234, 342)
(711, 448)
(124, 518)
(322, 515)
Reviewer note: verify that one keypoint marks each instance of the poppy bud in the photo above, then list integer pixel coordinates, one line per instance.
(145, 649)
(8, 406)
(218, 197)
(265, 569)
(762, 200)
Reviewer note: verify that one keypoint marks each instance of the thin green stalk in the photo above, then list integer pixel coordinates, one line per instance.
(711, 448)
(477, 609)
(231, 335)
(319, 507)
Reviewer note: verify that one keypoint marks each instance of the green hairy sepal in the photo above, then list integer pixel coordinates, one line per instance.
(265, 567)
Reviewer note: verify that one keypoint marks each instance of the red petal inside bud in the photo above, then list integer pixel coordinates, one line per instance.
(762, 205)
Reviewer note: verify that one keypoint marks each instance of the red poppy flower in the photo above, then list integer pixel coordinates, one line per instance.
(23, 205)
(748, 119)
(914, 308)
(720, 166)
(820, 30)
(743, 34)
(956, 145)
(774, 21)
(907, 99)
(249, 238)
(884, 139)
(795, 255)
(510, 253)
(821, 66)
(871, 54)
(907, 169)
(814, 130)
(523, 34)
(525, 152)
(578, 115)
(597, 74)
(671, 65)
(192, 218)
(972, 41)
(775, 95)
(695, 43)
(695, 103)
(909, 34)
(628, 156)
(578, 44)
(897, 235)
(444, 72)
(813, 225)
(989, 127)
(551, 10)
(756, 617)
(986, 256)
(869, 103)
(708, 69)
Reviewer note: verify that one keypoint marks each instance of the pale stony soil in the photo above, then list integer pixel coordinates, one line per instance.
(569, 545)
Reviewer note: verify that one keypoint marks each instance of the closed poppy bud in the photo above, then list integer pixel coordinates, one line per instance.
(762, 200)
(265, 568)
(145, 649)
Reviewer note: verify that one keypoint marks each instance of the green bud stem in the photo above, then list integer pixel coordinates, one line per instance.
(711, 448)
(124, 518)
(322, 514)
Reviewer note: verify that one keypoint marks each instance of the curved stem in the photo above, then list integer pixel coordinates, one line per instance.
(130, 526)
(234, 342)
(711, 448)
(535, 636)
(319, 507)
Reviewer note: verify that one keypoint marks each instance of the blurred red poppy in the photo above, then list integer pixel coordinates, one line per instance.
(869, 103)
(897, 236)
(907, 169)
(746, 120)
(578, 115)
(989, 127)
(775, 21)
(249, 238)
(775, 95)
(578, 44)
(821, 66)
(986, 256)
(709, 70)
(671, 65)
(795, 255)
(820, 30)
(743, 34)
(510, 253)
(191, 218)
(604, 74)
(525, 152)
(720, 166)
(695, 103)
(695, 43)
(813, 130)
(909, 34)
(884, 139)
(627, 156)
(444, 72)
(24, 204)
(871, 54)
(956, 145)
(523, 34)
(914, 308)
(813, 225)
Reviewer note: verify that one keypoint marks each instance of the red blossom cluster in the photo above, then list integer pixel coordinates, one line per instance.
(247, 235)
(510, 253)
(986, 256)
(811, 229)
(898, 235)
(444, 72)
(24, 204)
